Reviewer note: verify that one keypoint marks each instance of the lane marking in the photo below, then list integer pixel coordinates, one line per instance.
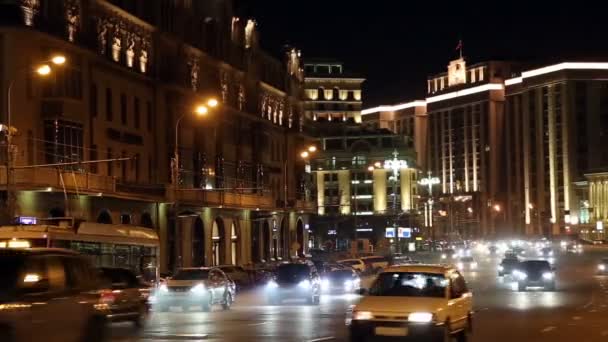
(322, 339)
(548, 329)
(256, 324)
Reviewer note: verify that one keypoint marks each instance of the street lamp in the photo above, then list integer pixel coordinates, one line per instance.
(199, 110)
(42, 70)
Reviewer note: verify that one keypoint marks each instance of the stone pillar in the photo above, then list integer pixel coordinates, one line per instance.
(161, 222)
(379, 190)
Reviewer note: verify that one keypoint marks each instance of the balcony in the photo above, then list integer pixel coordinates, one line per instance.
(213, 198)
(45, 178)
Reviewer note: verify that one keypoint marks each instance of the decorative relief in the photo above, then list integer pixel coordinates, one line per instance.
(241, 98)
(116, 46)
(281, 106)
(194, 73)
(143, 57)
(72, 18)
(102, 35)
(130, 53)
(30, 10)
(224, 86)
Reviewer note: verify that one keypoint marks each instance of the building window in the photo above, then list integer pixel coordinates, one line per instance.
(63, 141)
(136, 116)
(123, 108)
(109, 109)
(150, 116)
(93, 101)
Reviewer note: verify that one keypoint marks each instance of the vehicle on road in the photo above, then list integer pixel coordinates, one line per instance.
(602, 266)
(467, 263)
(535, 273)
(356, 264)
(574, 248)
(294, 281)
(546, 252)
(49, 294)
(340, 281)
(375, 263)
(430, 302)
(238, 274)
(507, 265)
(128, 296)
(202, 286)
(449, 254)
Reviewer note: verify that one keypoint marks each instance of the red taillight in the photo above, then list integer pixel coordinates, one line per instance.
(107, 297)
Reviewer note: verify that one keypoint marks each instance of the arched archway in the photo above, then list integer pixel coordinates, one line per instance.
(125, 218)
(104, 217)
(266, 240)
(234, 245)
(57, 212)
(256, 251)
(300, 237)
(198, 243)
(217, 242)
(146, 221)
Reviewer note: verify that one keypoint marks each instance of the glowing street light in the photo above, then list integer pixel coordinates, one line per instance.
(304, 154)
(312, 148)
(497, 208)
(58, 60)
(371, 168)
(43, 70)
(201, 110)
(212, 103)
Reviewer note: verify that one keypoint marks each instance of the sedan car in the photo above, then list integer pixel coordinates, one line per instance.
(467, 264)
(294, 281)
(507, 265)
(340, 281)
(129, 296)
(42, 299)
(196, 286)
(239, 275)
(426, 302)
(535, 273)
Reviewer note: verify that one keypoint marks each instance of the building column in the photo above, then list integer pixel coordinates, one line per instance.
(379, 190)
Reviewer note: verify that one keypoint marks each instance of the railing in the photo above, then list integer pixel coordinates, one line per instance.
(227, 199)
(42, 178)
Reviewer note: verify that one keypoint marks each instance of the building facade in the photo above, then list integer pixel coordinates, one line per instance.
(331, 93)
(135, 72)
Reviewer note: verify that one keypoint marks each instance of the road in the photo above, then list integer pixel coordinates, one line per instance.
(577, 311)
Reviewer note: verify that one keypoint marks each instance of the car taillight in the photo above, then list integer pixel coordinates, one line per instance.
(107, 297)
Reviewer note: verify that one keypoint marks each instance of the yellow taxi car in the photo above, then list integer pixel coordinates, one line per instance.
(431, 302)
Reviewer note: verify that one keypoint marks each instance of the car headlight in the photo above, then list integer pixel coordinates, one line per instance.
(473, 265)
(325, 284)
(272, 284)
(548, 275)
(601, 267)
(198, 289)
(501, 268)
(348, 284)
(420, 317)
(362, 315)
(305, 284)
(520, 275)
(444, 256)
(459, 265)
(163, 288)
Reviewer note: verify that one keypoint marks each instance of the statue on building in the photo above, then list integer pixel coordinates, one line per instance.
(30, 10)
(116, 46)
(72, 17)
(224, 86)
(293, 62)
(130, 53)
(241, 97)
(194, 70)
(143, 57)
(249, 33)
(102, 31)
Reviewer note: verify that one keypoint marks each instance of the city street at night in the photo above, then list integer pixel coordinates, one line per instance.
(578, 308)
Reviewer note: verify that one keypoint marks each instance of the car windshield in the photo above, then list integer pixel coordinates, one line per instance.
(193, 274)
(341, 274)
(410, 284)
(535, 266)
(292, 272)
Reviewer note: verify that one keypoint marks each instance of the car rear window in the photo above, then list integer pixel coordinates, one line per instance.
(191, 275)
(341, 274)
(535, 266)
(292, 272)
(410, 284)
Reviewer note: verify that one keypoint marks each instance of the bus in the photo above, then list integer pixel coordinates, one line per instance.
(107, 245)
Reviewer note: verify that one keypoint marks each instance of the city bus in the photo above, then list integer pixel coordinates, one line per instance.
(107, 245)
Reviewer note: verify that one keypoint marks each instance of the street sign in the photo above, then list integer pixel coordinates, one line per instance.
(389, 233)
(405, 233)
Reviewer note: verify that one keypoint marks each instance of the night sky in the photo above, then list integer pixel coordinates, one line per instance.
(396, 44)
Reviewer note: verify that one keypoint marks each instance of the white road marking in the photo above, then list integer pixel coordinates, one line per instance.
(255, 324)
(547, 329)
(323, 339)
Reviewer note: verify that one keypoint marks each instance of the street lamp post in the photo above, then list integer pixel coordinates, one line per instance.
(430, 181)
(305, 154)
(42, 70)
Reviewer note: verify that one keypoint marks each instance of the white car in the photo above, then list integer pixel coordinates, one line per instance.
(356, 264)
(431, 302)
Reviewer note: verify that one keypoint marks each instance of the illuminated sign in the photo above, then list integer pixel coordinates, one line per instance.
(405, 233)
(332, 232)
(389, 233)
(365, 229)
(27, 220)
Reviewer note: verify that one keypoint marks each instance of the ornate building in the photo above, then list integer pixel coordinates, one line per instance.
(134, 70)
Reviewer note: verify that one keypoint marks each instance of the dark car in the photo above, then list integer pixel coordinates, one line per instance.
(294, 281)
(507, 265)
(535, 273)
(50, 295)
(196, 286)
(129, 302)
(340, 281)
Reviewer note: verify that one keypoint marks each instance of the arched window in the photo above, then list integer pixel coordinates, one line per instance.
(217, 240)
(146, 220)
(104, 217)
(125, 218)
(234, 245)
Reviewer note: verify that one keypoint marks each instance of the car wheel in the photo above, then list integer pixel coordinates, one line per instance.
(207, 304)
(357, 338)
(227, 302)
(95, 330)
(142, 317)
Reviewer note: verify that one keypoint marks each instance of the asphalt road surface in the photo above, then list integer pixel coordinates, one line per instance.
(576, 311)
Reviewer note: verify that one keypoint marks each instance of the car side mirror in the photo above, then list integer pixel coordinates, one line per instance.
(362, 291)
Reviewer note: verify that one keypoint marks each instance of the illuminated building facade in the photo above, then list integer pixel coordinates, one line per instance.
(365, 179)
(133, 68)
(331, 93)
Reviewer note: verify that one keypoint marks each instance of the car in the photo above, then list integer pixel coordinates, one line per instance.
(574, 248)
(535, 273)
(356, 264)
(518, 251)
(427, 302)
(294, 281)
(602, 266)
(375, 263)
(467, 263)
(507, 265)
(492, 250)
(340, 281)
(238, 274)
(597, 242)
(546, 252)
(130, 296)
(204, 286)
(49, 294)
(449, 254)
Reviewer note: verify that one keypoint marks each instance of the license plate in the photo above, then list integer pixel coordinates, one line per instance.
(388, 331)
